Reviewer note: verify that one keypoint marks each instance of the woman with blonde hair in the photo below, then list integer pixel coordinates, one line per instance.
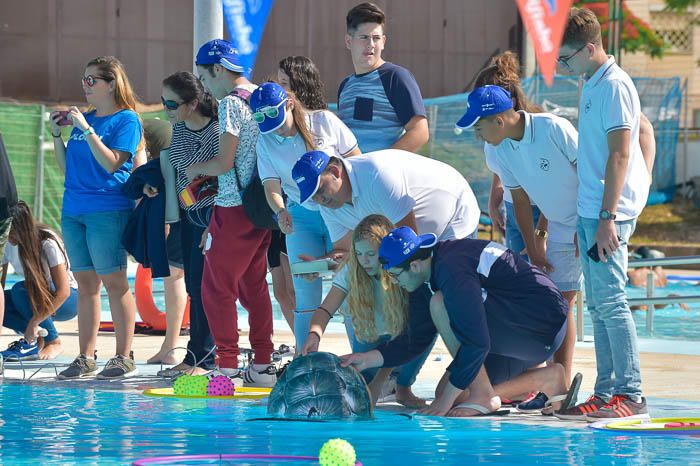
(378, 308)
(97, 161)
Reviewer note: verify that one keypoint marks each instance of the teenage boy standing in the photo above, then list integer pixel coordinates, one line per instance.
(381, 102)
(613, 189)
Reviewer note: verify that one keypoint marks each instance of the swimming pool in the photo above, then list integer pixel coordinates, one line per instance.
(52, 426)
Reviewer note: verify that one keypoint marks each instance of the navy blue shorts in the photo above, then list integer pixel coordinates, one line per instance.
(512, 354)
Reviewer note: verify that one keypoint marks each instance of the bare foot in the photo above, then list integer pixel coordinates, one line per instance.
(162, 357)
(406, 397)
(51, 349)
(490, 406)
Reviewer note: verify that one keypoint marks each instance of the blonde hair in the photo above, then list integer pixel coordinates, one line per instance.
(124, 96)
(361, 295)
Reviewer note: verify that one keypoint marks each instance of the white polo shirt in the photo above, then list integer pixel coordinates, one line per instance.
(609, 102)
(277, 155)
(393, 182)
(543, 163)
(495, 167)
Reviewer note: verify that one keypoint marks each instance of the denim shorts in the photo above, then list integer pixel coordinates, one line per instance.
(567, 273)
(94, 241)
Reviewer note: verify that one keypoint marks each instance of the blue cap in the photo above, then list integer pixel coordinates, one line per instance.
(484, 101)
(401, 244)
(219, 52)
(269, 95)
(307, 173)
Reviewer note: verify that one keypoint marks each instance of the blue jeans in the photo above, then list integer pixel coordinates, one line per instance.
(616, 353)
(18, 311)
(94, 241)
(309, 237)
(514, 239)
(406, 374)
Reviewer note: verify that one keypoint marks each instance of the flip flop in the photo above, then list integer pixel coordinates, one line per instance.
(481, 410)
(569, 401)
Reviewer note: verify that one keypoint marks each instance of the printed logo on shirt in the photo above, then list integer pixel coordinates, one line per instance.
(81, 137)
(319, 143)
(587, 107)
(544, 164)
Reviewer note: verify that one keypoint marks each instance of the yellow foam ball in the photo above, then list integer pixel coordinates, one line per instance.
(337, 452)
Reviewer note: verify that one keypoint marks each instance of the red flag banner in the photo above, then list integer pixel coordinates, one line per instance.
(544, 22)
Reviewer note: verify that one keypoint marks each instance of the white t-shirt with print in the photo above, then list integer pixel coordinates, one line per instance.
(609, 102)
(543, 163)
(340, 281)
(236, 118)
(52, 255)
(277, 155)
(394, 182)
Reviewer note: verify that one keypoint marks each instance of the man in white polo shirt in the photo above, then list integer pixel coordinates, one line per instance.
(407, 188)
(613, 189)
(536, 156)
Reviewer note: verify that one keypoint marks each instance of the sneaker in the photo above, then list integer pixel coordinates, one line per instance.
(236, 375)
(620, 407)
(80, 367)
(580, 411)
(533, 404)
(118, 368)
(21, 350)
(267, 377)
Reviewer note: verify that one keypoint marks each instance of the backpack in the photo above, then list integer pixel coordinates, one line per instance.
(254, 200)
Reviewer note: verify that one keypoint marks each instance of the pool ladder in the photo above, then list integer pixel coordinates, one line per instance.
(649, 300)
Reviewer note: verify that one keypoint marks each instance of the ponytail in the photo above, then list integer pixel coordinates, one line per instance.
(299, 116)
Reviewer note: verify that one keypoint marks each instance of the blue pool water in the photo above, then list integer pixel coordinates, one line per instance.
(52, 426)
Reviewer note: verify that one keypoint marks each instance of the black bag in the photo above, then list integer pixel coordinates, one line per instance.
(254, 200)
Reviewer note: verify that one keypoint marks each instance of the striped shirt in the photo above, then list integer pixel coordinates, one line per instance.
(189, 147)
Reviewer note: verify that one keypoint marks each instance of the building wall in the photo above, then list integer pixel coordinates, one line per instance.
(44, 44)
(683, 65)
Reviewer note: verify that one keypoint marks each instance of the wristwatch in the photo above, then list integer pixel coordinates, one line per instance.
(541, 233)
(89, 130)
(605, 214)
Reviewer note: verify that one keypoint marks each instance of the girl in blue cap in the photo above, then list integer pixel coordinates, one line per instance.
(287, 132)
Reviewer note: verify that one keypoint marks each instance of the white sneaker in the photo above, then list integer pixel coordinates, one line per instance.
(236, 375)
(255, 376)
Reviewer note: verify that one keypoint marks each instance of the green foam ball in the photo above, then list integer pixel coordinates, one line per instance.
(180, 384)
(198, 385)
(337, 452)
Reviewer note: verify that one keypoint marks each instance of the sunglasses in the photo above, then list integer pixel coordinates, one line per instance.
(268, 112)
(90, 80)
(170, 104)
(564, 61)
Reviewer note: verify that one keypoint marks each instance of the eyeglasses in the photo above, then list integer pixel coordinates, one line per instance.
(90, 80)
(564, 61)
(170, 104)
(268, 112)
(395, 276)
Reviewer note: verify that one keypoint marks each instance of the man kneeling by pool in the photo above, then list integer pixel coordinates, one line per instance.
(499, 317)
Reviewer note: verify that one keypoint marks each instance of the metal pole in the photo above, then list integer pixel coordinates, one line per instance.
(208, 21)
(650, 306)
(579, 316)
(39, 179)
(685, 132)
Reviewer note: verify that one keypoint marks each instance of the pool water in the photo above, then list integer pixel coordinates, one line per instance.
(52, 426)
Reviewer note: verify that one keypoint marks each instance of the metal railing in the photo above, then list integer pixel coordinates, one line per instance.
(649, 300)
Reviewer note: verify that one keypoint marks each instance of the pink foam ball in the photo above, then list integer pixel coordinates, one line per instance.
(220, 386)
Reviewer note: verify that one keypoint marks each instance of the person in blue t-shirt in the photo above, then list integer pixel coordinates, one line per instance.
(499, 317)
(381, 102)
(97, 162)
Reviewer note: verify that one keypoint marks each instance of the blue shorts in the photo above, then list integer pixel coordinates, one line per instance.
(512, 354)
(94, 241)
(567, 274)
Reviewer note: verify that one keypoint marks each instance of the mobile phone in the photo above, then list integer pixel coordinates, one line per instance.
(65, 119)
(593, 252)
